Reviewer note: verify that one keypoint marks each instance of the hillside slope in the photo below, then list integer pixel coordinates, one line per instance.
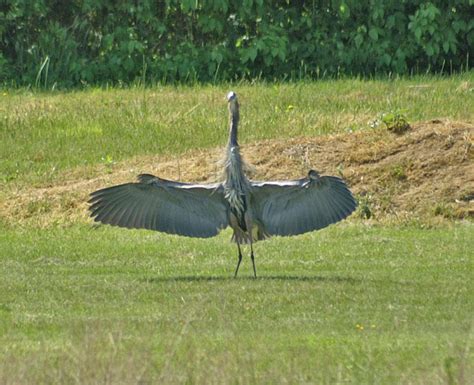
(425, 173)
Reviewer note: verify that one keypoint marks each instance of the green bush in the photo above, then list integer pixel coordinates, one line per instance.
(101, 41)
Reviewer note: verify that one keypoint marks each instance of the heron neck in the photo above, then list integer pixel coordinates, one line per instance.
(234, 123)
(235, 178)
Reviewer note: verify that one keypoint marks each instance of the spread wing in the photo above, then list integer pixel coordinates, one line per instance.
(153, 203)
(299, 206)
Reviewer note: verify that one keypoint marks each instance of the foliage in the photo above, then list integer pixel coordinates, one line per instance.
(99, 42)
(363, 209)
(396, 122)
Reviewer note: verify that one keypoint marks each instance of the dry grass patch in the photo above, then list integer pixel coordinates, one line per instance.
(424, 173)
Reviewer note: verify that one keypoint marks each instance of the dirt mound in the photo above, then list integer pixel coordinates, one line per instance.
(425, 173)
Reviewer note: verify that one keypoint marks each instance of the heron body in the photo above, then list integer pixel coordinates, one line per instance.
(254, 210)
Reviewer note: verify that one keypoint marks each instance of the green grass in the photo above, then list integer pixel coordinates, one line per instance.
(43, 134)
(349, 304)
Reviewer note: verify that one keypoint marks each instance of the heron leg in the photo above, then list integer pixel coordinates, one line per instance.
(240, 260)
(253, 259)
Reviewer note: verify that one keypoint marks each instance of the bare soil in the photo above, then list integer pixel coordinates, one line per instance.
(426, 174)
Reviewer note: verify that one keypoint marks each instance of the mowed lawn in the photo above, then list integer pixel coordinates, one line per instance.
(361, 302)
(349, 304)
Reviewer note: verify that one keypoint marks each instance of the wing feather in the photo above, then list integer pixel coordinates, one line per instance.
(299, 206)
(124, 219)
(111, 215)
(138, 216)
(195, 210)
(147, 218)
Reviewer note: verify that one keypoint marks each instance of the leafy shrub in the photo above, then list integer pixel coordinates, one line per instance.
(99, 41)
(396, 122)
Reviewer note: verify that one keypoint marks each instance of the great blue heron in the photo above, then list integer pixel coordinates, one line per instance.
(254, 210)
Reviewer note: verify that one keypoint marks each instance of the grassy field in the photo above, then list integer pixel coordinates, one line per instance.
(43, 134)
(350, 304)
(356, 303)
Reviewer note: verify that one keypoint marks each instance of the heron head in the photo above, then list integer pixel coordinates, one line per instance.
(231, 96)
(233, 104)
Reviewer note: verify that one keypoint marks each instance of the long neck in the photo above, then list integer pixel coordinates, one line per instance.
(233, 123)
(234, 164)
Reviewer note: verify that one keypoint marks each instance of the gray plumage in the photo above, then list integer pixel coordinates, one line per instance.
(254, 210)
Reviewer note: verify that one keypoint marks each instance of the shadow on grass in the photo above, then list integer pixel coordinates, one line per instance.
(249, 278)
